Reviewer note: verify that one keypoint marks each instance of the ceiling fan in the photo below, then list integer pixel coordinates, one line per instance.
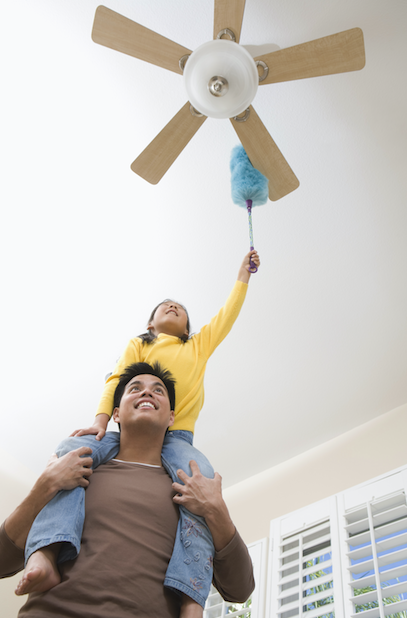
(221, 80)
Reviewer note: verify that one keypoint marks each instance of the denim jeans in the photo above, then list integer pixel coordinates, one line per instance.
(61, 520)
(191, 565)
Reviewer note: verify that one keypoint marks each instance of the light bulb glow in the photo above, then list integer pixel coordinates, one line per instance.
(232, 62)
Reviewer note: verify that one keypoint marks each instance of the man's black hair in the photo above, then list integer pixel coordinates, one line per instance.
(137, 369)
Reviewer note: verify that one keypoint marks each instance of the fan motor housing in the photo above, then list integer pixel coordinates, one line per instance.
(221, 79)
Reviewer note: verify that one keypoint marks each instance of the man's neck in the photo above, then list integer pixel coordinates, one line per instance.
(140, 449)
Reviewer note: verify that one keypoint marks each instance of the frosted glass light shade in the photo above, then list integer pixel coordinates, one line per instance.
(229, 61)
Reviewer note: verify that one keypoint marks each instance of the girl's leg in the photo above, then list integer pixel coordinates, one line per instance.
(61, 520)
(191, 565)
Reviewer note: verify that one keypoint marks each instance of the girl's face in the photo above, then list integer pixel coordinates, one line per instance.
(170, 318)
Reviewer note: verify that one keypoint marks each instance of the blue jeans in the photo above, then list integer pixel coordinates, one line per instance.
(61, 520)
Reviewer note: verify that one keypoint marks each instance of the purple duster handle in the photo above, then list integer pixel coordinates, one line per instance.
(252, 267)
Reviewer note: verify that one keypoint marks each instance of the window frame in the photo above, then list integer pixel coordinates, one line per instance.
(336, 508)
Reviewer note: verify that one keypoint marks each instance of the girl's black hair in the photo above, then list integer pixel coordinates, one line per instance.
(148, 337)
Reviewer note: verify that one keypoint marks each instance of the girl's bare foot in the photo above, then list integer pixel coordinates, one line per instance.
(189, 608)
(41, 572)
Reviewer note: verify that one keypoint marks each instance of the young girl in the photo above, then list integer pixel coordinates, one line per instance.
(60, 523)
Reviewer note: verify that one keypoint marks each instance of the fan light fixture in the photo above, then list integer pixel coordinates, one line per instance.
(221, 79)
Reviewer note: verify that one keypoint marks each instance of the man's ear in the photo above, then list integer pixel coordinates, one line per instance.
(172, 418)
(115, 415)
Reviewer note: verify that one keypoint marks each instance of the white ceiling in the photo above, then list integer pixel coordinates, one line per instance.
(88, 247)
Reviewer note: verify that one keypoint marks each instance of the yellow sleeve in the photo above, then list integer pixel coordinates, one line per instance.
(130, 355)
(211, 335)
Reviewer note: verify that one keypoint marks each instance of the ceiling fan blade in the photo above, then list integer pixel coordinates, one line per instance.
(161, 153)
(124, 35)
(338, 53)
(265, 155)
(228, 14)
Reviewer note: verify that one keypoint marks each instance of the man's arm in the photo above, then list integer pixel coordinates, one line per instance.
(70, 471)
(232, 567)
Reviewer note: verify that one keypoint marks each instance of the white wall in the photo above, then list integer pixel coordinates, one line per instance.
(15, 482)
(352, 458)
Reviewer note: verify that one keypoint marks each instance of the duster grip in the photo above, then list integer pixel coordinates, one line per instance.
(252, 267)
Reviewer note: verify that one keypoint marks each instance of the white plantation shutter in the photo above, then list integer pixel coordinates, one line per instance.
(342, 557)
(216, 607)
(374, 537)
(305, 576)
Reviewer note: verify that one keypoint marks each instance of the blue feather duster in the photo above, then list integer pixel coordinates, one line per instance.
(249, 188)
(247, 182)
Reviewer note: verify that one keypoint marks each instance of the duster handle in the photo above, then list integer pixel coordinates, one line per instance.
(252, 267)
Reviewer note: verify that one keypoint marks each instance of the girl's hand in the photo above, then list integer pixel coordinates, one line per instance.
(98, 428)
(94, 429)
(251, 256)
(244, 272)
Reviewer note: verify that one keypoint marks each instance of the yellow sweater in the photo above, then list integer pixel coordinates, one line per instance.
(186, 361)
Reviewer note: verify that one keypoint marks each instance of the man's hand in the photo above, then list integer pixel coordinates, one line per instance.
(66, 472)
(203, 496)
(199, 495)
(98, 428)
(69, 471)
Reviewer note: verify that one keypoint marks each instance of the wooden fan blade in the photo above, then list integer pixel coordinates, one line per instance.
(124, 35)
(265, 156)
(228, 14)
(338, 53)
(161, 153)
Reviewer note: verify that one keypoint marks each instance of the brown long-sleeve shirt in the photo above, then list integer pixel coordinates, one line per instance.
(127, 542)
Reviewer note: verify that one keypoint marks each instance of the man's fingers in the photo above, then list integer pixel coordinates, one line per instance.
(83, 450)
(194, 466)
(183, 475)
(178, 487)
(86, 465)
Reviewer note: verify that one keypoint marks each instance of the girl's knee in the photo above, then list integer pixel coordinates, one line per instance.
(72, 443)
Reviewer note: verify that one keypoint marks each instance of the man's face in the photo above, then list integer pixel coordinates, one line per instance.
(145, 399)
(170, 318)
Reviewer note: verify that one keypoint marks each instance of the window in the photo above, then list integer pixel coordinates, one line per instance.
(343, 556)
(375, 550)
(216, 607)
(305, 572)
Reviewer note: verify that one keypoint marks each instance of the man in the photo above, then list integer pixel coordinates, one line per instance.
(131, 520)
